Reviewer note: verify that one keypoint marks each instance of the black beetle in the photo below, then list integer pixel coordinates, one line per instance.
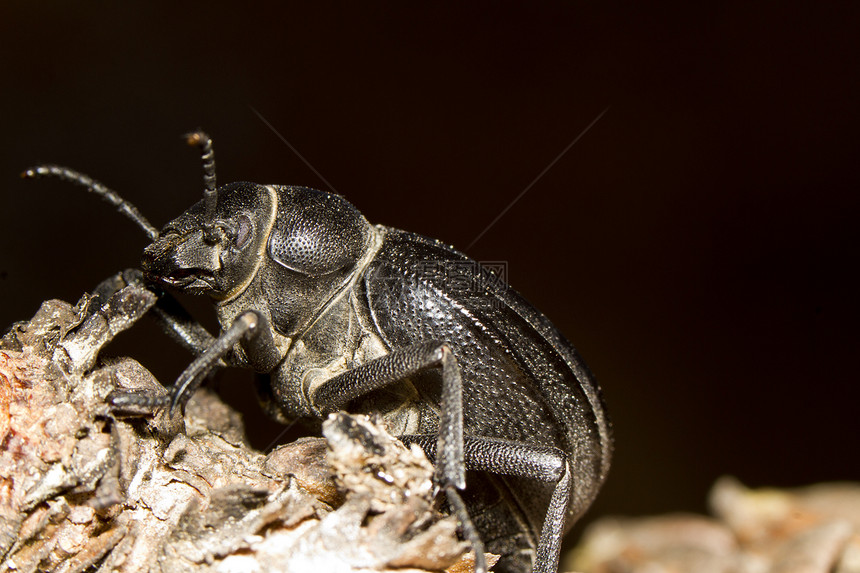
(336, 313)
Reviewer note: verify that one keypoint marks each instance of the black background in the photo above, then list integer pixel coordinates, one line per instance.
(697, 244)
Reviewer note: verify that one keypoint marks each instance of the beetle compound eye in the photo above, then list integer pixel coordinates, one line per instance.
(243, 233)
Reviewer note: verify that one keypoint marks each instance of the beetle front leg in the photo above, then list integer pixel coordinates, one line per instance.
(168, 312)
(250, 327)
(450, 472)
(179, 325)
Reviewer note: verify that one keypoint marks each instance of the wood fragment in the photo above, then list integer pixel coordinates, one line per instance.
(82, 489)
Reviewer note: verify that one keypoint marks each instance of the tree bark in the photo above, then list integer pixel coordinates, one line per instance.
(84, 489)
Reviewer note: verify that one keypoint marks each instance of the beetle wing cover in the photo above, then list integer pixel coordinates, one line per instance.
(522, 379)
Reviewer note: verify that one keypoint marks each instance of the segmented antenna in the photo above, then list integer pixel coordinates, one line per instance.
(210, 193)
(99, 189)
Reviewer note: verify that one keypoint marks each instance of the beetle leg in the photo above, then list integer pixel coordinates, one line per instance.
(247, 326)
(470, 532)
(175, 321)
(450, 473)
(335, 393)
(168, 312)
(508, 457)
(549, 546)
(250, 326)
(192, 376)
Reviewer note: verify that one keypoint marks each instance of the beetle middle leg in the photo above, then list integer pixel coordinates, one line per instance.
(337, 392)
(450, 474)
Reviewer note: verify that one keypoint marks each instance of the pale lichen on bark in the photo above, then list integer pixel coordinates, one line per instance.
(82, 489)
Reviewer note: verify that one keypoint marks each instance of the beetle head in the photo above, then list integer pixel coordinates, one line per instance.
(216, 246)
(303, 244)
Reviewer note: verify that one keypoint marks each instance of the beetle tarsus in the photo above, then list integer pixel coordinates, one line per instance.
(468, 528)
(131, 403)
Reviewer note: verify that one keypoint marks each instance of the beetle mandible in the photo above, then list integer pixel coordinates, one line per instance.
(335, 313)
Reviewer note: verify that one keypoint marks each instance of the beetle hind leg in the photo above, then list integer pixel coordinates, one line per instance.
(512, 458)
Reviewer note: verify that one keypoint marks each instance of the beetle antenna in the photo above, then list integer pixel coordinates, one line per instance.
(99, 189)
(210, 194)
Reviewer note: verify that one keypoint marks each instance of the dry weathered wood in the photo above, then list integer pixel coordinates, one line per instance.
(82, 489)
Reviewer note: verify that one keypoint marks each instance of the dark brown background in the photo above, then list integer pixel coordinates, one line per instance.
(698, 244)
